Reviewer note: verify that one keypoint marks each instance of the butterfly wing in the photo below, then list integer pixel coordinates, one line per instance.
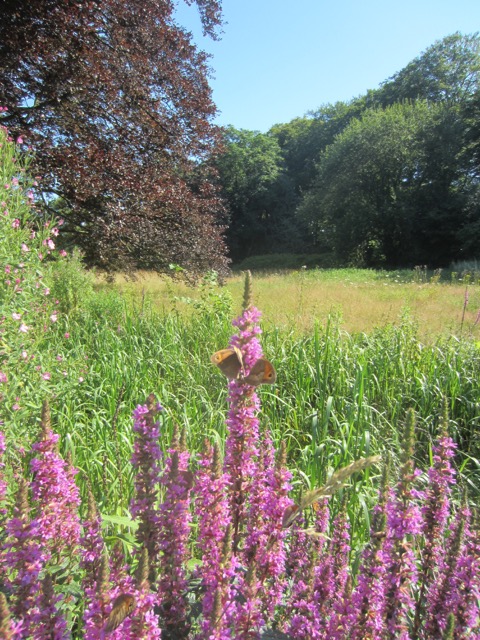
(229, 361)
(123, 605)
(262, 372)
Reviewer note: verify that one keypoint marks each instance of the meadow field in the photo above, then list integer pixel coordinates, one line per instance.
(356, 353)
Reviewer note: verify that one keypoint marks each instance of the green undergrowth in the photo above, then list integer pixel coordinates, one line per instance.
(338, 396)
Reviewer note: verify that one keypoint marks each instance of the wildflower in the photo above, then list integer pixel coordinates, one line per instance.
(24, 328)
(15, 223)
(146, 460)
(46, 375)
(24, 247)
(17, 316)
(66, 335)
(19, 140)
(8, 269)
(3, 377)
(15, 182)
(63, 253)
(80, 379)
(46, 291)
(54, 317)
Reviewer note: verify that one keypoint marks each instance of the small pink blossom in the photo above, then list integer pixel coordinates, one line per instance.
(24, 355)
(24, 328)
(15, 182)
(19, 140)
(66, 336)
(25, 249)
(53, 317)
(16, 407)
(46, 376)
(8, 268)
(17, 316)
(65, 373)
(40, 256)
(46, 291)
(32, 235)
(60, 222)
(3, 377)
(16, 223)
(55, 231)
(59, 358)
(63, 253)
(50, 244)
(80, 379)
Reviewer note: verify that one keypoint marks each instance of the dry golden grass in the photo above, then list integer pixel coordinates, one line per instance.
(363, 300)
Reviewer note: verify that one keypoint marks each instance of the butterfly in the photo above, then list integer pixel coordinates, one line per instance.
(230, 363)
(123, 605)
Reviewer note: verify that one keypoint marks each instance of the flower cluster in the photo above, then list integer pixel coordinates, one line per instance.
(262, 564)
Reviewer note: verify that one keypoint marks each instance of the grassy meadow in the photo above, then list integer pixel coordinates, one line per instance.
(362, 300)
(353, 350)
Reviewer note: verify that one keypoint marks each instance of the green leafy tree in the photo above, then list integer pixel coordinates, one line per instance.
(448, 71)
(257, 192)
(389, 190)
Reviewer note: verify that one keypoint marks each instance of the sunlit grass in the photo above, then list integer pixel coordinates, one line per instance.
(362, 300)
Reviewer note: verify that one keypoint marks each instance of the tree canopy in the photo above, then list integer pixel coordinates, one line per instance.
(391, 178)
(113, 97)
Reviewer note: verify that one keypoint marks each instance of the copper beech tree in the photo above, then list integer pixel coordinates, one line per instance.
(114, 100)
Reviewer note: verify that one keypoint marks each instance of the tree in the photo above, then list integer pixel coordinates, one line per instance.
(448, 71)
(257, 192)
(389, 190)
(114, 99)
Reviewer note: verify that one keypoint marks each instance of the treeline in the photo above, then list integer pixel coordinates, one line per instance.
(390, 179)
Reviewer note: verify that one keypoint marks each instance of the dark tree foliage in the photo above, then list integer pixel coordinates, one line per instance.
(114, 100)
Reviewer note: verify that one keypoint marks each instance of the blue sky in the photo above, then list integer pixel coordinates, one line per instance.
(279, 59)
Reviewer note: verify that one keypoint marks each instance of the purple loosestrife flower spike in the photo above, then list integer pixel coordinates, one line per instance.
(333, 604)
(174, 527)
(54, 493)
(3, 482)
(25, 557)
(366, 618)
(146, 460)
(404, 522)
(214, 521)
(48, 621)
(265, 533)
(92, 546)
(436, 510)
(241, 449)
(144, 623)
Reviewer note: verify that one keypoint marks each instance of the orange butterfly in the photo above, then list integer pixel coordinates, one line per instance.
(123, 605)
(230, 363)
